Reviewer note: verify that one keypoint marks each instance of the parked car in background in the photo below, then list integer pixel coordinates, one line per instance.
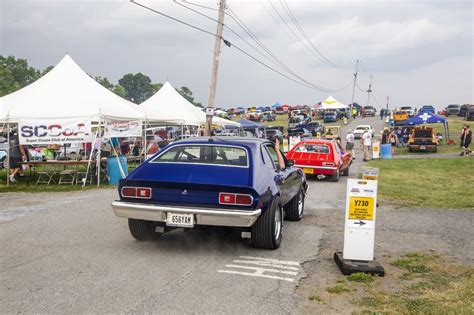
(400, 117)
(314, 127)
(422, 139)
(280, 110)
(452, 109)
(274, 134)
(321, 157)
(255, 115)
(409, 110)
(368, 111)
(268, 116)
(463, 110)
(360, 129)
(182, 187)
(3, 159)
(428, 108)
(442, 112)
(295, 121)
(330, 117)
(470, 113)
(299, 132)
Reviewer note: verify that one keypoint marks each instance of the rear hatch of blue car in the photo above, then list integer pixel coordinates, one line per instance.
(206, 175)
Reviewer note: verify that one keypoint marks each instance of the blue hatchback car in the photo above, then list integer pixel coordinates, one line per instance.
(219, 181)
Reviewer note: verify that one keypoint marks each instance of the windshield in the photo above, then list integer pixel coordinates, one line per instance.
(204, 154)
(313, 148)
(361, 128)
(423, 134)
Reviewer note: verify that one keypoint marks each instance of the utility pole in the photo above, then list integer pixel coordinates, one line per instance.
(354, 85)
(387, 101)
(215, 65)
(369, 90)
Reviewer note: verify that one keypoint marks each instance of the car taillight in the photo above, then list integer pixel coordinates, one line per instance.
(328, 164)
(136, 192)
(235, 199)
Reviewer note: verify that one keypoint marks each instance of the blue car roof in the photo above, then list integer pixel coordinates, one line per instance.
(249, 142)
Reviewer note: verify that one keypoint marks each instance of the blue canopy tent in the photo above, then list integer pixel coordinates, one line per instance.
(277, 104)
(426, 117)
(252, 126)
(263, 108)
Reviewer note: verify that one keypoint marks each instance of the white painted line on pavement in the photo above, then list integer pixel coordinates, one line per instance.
(264, 268)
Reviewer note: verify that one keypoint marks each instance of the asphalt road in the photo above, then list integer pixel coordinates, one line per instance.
(67, 252)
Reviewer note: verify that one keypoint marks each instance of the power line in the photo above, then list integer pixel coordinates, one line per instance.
(288, 11)
(229, 44)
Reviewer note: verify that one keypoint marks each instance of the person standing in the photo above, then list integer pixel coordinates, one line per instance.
(466, 139)
(350, 143)
(366, 142)
(17, 154)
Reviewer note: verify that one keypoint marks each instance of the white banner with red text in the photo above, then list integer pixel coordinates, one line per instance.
(54, 131)
(123, 128)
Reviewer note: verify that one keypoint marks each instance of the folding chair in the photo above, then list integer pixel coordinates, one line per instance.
(81, 176)
(45, 177)
(67, 177)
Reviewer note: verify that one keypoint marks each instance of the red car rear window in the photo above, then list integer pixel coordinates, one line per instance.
(313, 148)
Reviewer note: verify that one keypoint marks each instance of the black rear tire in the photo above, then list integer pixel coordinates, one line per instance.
(143, 230)
(267, 232)
(295, 208)
(345, 172)
(335, 177)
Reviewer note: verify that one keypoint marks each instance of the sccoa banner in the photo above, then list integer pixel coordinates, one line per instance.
(123, 128)
(54, 131)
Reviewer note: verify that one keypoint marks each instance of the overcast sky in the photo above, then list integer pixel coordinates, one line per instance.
(420, 52)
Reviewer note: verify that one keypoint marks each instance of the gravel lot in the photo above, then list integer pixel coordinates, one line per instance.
(67, 252)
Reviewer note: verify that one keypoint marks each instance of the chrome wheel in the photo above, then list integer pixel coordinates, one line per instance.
(300, 203)
(278, 223)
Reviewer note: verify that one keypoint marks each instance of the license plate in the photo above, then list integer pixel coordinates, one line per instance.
(308, 170)
(422, 147)
(180, 219)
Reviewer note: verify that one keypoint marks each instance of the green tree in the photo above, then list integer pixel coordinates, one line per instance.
(137, 86)
(188, 94)
(46, 70)
(156, 87)
(104, 82)
(119, 90)
(15, 74)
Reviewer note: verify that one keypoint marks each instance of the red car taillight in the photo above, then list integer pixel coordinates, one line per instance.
(235, 199)
(136, 192)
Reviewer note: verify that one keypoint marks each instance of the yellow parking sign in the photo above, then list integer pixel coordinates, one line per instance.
(361, 208)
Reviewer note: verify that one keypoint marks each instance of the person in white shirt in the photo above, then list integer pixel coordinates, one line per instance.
(350, 143)
(366, 142)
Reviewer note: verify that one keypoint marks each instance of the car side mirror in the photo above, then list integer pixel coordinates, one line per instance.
(290, 163)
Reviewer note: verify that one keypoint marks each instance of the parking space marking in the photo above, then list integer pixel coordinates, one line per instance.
(264, 268)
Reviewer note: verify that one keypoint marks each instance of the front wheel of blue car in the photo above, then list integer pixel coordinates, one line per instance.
(267, 231)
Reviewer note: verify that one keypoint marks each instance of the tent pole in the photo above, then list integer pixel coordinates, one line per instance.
(90, 157)
(99, 152)
(8, 151)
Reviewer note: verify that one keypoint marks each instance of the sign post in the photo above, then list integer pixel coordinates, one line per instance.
(359, 232)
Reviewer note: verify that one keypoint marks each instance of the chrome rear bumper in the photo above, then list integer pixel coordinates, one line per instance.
(202, 216)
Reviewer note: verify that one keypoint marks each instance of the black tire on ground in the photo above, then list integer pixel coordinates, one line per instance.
(345, 172)
(295, 208)
(335, 177)
(435, 149)
(267, 231)
(143, 230)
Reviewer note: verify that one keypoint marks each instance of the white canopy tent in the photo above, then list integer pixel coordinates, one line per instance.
(332, 103)
(65, 92)
(169, 107)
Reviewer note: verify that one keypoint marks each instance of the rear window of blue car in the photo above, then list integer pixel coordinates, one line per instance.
(204, 154)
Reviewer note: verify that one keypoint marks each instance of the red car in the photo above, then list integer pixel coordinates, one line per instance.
(324, 158)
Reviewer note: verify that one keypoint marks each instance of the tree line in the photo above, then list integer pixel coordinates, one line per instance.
(16, 74)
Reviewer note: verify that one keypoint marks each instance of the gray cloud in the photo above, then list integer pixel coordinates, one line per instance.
(419, 51)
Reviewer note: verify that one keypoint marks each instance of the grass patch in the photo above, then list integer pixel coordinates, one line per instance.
(315, 298)
(338, 288)
(433, 287)
(361, 277)
(439, 183)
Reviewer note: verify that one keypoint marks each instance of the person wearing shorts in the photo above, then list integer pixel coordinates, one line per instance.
(466, 140)
(350, 143)
(17, 154)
